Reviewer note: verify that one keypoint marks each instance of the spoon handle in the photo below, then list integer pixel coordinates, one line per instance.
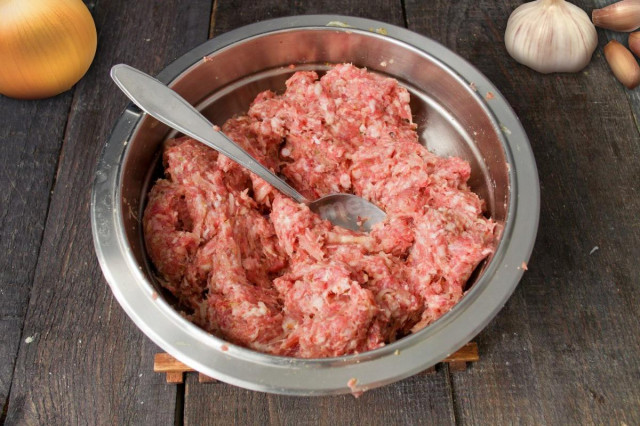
(162, 103)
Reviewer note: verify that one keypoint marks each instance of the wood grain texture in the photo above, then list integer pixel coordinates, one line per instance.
(566, 349)
(87, 363)
(31, 135)
(424, 399)
(467, 353)
(174, 369)
(231, 14)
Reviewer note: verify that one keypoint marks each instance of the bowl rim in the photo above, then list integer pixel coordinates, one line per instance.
(293, 376)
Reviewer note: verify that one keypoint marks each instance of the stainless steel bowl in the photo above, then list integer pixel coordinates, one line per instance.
(454, 118)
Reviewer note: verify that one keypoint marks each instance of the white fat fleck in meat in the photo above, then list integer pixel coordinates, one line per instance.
(262, 271)
(345, 181)
(374, 131)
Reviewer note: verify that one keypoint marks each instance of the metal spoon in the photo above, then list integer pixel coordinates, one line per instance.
(344, 210)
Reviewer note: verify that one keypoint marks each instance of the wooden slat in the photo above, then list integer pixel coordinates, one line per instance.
(31, 134)
(87, 363)
(565, 348)
(203, 378)
(457, 366)
(231, 14)
(430, 370)
(467, 353)
(165, 363)
(175, 377)
(30, 139)
(418, 400)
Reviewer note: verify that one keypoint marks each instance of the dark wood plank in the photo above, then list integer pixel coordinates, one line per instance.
(416, 400)
(231, 14)
(565, 350)
(30, 140)
(423, 399)
(84, 361)
(223, 404)
(31, 137)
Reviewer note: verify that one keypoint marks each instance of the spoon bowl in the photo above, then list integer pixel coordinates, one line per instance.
(348, 211)
(156, 99)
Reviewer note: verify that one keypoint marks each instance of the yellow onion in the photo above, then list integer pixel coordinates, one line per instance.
(46, 46)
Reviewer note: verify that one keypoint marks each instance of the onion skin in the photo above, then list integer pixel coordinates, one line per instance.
(620, 16)
(46, 46)
(623, 64)
(634, 43)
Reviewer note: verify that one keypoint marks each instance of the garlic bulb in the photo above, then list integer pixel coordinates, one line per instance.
(621, 16)
(551, 36)
(46, 46)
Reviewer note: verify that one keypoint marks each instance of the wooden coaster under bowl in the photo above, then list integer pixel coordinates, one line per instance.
(174, 369)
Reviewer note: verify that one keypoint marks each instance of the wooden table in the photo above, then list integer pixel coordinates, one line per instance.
(564, 350)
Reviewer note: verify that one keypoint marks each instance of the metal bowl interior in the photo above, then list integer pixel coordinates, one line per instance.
(453, 117)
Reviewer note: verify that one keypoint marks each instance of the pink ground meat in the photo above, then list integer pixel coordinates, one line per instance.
(257, 269)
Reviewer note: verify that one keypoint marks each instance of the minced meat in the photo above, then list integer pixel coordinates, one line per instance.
(259, 270)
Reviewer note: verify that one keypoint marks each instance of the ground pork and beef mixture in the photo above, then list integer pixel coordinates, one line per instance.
(252, 266)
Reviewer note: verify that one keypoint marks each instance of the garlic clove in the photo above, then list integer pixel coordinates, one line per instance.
(634, 43)
(623, 64)
(621, 16)
(551, 36)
